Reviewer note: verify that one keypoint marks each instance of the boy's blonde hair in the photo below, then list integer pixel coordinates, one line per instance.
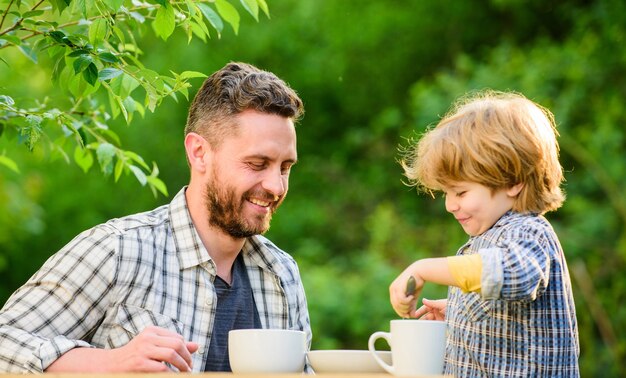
(495, 139)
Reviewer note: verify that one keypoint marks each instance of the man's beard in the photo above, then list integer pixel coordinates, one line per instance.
(226, 212)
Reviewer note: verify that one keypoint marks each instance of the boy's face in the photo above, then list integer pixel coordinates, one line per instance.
(476, 207)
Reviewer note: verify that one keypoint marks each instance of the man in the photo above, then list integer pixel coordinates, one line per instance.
(160, 290)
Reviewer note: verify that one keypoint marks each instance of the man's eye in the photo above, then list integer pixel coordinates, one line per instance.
(460, 194)
(256, 166)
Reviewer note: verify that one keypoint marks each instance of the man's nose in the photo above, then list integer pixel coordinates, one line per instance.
(274, 182)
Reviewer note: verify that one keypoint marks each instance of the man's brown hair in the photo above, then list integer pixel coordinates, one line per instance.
(233, 89)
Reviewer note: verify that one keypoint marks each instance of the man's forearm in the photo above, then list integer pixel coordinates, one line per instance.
(86, 360)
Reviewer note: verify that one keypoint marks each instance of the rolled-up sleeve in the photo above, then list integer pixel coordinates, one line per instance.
(60, 306)
(518, 268)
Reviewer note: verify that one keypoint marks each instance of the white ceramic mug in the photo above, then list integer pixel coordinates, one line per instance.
(267, 350)
(417, 347)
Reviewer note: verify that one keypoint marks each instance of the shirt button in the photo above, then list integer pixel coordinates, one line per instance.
(201, 350)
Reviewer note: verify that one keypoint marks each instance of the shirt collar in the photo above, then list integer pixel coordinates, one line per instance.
(259, 250)
(191, 251)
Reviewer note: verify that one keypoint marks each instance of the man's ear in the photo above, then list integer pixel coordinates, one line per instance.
(515, 189)
(197, 149)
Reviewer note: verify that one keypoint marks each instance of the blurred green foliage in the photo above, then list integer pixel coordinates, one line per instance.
(374, 74)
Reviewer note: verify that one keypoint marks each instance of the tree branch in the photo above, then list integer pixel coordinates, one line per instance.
(4, 16)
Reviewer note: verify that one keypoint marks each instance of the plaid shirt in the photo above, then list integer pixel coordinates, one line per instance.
(523, 322)
(113, 280)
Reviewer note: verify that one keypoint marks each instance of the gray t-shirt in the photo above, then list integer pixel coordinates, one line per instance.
(235, 310)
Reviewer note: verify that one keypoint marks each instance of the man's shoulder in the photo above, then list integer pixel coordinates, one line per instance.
(147, 220)
(157, 219)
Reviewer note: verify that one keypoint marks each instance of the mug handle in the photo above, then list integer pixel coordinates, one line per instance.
(370, 345)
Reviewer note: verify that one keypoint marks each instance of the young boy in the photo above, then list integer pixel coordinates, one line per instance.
(510, 310)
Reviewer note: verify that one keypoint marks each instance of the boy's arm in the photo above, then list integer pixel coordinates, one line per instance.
(467, 271)
(434, 270)
(461, 271)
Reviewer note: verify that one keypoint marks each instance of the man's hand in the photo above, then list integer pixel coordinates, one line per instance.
(146, 352)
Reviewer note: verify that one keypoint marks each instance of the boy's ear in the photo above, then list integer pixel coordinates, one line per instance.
(515, 189)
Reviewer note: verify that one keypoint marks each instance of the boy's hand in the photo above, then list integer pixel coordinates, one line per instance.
(432, 309)
(404, 304)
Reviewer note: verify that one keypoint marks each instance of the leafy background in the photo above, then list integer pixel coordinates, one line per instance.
(372, 74)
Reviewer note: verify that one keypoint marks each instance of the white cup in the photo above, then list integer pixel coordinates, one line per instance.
(266, 350)
(417, 347)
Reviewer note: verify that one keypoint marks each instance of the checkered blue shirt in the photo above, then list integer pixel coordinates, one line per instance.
(113, 280)
(523, 323)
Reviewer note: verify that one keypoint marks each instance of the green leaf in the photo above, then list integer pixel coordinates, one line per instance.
(264, 8)
(79, 6)
(82, 137)
(214, 19)
(137, 159)
(109, 73)
(56, 51)
(81, 63)
(78, 52)
(199, 29)
(9, 164)
(28, 52)
(105, 153)
(91, 74)
(155, 182)
(7, 100)
(58, 70)
(191, 74)
(123, 85)
(34, 13)
(129, 105)
(58, 36)
(32, 131)
(141, 177)
(83, 158)
(114, 101)
(74, 40)
(228, 13)
(57, 151)
(98, 31)
(120, 107)
(114, 5)
(108, 57)
(11, 39)
(165, 21)
(191, 8)
(60, 5)
(120, 35)
(252, 7)
(119, 168)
